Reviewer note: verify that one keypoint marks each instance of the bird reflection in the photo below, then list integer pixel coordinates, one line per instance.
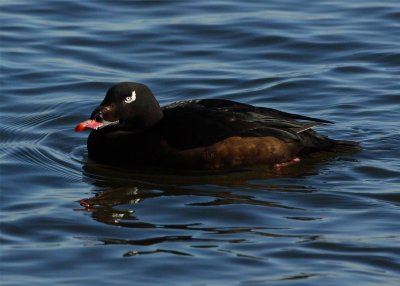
(196, 208)
(117, 205)
(117, 191)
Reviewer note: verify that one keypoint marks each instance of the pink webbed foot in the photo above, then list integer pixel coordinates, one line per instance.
(279, 166)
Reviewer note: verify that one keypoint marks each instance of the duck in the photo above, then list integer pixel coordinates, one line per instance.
(130, 129)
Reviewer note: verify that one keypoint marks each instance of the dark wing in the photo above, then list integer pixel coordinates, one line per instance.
(189, 124)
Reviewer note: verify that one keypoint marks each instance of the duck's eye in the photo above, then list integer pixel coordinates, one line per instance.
(131, 98)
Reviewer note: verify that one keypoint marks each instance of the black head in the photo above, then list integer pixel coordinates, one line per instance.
(129, 106)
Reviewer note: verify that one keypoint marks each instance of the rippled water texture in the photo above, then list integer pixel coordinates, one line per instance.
(331, 220)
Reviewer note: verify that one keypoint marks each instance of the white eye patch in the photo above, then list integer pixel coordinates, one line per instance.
(130, 99)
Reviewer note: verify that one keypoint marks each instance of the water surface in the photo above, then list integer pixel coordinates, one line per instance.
(331, 220)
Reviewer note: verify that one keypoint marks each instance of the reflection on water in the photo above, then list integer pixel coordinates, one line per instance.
(240, 215)
(138, 192)
(257, 215)
(119, 207)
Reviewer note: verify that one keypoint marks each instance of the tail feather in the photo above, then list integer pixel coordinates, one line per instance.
(313, 142)
(345, 145)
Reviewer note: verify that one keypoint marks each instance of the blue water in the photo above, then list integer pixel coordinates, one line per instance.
(333, 219)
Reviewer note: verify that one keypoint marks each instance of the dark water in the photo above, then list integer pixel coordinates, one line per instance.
(331, 220)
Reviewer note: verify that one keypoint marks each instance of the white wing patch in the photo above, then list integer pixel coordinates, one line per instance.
(130, 99)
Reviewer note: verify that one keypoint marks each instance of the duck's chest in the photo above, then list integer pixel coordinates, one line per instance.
(124, 149)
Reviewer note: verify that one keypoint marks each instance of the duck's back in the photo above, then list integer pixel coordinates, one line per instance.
(198, 123)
